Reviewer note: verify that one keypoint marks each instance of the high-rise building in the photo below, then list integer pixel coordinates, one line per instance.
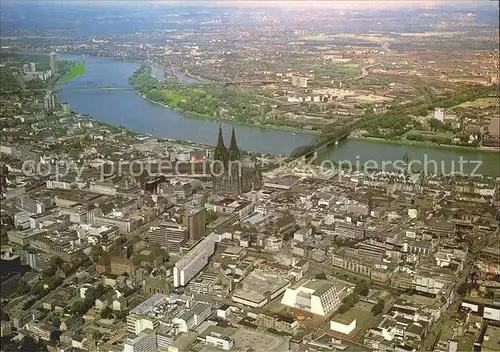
(26, 69)
(194, 220)
(32, 67)
(196, 259)
(49, 101)
(53, 63)
(169, 234)
(439, 114)
(233, 176)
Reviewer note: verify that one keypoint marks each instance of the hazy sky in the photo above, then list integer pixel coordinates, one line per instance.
(339, 4)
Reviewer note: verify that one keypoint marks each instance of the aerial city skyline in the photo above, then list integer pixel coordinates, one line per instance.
(249, 176)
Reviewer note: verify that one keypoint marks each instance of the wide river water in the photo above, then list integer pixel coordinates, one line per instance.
(127, 108)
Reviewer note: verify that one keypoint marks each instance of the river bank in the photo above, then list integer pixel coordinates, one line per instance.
(236, 122)
(425, 144)
(127, 108)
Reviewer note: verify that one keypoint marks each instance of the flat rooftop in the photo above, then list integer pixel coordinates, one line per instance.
(354, 313)
(251, 340)
(256, 285)
(233, 250)
(148, 304)
(492, 339)
(255, 219)
(319, 286)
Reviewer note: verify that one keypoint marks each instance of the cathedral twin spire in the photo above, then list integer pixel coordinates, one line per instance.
(222, 153)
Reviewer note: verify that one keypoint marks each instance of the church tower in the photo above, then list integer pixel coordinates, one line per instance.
(233, 152)
(234, 179)
(220, 149)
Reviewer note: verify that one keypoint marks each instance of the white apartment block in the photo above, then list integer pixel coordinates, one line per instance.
(191, 264)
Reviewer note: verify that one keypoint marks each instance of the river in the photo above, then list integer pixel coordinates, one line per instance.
(128, 109)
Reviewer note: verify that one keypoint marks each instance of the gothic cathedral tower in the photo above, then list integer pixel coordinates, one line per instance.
(230, 177)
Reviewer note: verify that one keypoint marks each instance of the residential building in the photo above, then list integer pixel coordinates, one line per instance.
(279, 322)
(192, 263)
(348, 230)
(299, 81)
(119, 266)
(53, 63)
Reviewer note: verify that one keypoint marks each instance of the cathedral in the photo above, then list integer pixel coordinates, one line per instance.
(232, 175)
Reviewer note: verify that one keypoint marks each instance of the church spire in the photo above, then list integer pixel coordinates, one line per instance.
(233, 151)
(220, 149)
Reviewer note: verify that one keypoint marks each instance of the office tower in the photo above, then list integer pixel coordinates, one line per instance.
(26, 68)
(32, 67)
(53, 63)
(169, 235)
(194, 220)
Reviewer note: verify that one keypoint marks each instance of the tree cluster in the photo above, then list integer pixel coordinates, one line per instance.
(362, 289)
(378, 308)
(348, 303)
(92, 293)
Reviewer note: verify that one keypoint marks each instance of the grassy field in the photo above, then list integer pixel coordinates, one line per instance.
(365, 37)
(428, 34)
(317, 37)
(76, 70)
(174, 98)
(481, 102)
